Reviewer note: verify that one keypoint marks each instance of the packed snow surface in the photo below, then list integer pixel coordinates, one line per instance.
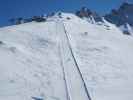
(63, 59)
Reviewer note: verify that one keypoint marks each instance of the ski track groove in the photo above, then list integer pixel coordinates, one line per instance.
(75, 63)
(64, 76)
(80, 73)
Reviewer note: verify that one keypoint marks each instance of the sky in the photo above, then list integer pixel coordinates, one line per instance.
(27, 8)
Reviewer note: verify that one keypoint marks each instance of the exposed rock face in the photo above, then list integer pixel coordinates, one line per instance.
(122, 15)
(87, 13)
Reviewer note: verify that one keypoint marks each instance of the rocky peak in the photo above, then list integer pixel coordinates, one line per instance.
(87, 13)
(122, 15)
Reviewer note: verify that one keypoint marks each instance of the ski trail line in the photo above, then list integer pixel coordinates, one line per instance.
(68, 39)
(75, 85)
(64, 76)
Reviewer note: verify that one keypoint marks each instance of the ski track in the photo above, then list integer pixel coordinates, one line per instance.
(75, 86)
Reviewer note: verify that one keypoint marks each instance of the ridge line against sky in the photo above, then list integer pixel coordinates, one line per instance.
(27, 8)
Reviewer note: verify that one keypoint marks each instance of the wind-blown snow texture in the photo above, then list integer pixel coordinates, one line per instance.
(36, 61)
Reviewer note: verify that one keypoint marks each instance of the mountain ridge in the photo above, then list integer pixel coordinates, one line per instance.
(120, 17)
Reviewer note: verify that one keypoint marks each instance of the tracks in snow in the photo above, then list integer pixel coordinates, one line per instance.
(75, 86)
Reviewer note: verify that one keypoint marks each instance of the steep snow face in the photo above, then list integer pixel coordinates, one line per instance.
(127, 29)
(36, 60)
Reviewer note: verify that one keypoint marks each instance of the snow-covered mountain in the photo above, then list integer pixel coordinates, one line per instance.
(65, 58)
(122, 17)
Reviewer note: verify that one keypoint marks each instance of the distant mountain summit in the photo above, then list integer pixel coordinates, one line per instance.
(91, 16)
(122, 17)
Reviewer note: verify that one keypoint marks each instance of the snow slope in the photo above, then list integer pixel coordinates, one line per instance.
(65, 60)
(126, 28)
